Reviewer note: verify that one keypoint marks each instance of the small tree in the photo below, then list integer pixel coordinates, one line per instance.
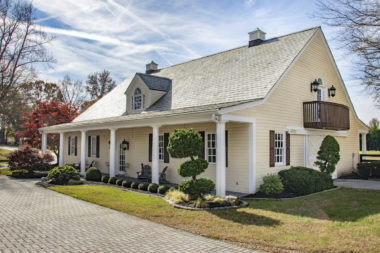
(185, 143)
(328, 155)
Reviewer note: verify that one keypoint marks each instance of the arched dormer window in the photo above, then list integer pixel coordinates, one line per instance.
(137, 100)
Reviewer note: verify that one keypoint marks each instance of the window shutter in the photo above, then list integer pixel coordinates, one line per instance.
(150, 146)
(271, 148)
(166, 142)
(226, 148)
(69, 145)
(89, 146)
(143, 102)
(287, 148)
(202, 154)
(97, 146)
(76, 145)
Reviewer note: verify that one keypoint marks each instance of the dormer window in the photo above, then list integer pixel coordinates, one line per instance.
(137, 101)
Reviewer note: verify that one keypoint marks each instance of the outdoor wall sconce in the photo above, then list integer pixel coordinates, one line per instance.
(314, 86)
(125, 145)
(332, 91)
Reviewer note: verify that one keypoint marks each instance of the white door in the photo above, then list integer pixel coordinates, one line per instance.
(122, 159)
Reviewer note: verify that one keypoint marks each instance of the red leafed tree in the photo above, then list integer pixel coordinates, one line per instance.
(46, 114)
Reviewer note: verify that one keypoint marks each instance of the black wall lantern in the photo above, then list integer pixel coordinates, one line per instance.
(314, 86)
(332, 91)
(125, 145)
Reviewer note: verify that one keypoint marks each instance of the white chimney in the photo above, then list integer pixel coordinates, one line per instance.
(256, 37)
(151, 67)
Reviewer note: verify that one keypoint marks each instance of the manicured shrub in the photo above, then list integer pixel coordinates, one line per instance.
(26, 160)
(328, 155)
(162, 189)
(153, 188)
(112, 180)
(143, 186)
(177, 196)
(302, 181)
(119, 182)
(199, 203)
(272, 184)
(75, 182)
(185, 143)
(369, 169)
(62, 174)
(127, 183)
(105, 179)
(93, 174)
(135, 185)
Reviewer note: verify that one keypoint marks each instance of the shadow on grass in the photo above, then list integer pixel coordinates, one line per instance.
(338, 205)
(245, 217)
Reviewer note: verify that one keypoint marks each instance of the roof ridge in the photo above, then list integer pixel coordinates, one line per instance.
(228, 50)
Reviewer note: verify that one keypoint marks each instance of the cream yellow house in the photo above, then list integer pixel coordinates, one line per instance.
(260, 108)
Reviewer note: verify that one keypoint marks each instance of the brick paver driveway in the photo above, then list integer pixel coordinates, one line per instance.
(34, 219)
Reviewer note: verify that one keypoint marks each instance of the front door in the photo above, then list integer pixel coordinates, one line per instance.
(121, 159)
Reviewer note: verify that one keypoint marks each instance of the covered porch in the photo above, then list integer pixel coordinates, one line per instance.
(229, 147)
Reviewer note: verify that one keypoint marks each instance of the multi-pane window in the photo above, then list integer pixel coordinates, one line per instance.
(137, 100)
(211, 148)
(93, 146)
(279, 150)
(161, 147)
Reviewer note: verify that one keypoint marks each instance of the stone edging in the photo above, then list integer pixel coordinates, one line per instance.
(244, 203)
(298, 197)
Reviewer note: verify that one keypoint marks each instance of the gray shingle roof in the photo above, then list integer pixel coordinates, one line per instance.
(233, 76)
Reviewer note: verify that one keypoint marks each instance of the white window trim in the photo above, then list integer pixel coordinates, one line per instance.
(159, 148)
(72, 145)
(93, 144)
(323, 90)
(283, 163)
(142, 103)
(206, 147)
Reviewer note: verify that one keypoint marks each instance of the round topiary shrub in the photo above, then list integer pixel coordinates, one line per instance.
(119, 182)
(93, 174)
(162, 189)
(272, 184)
(153, 188)
(135, 185)
(112, 180)
(127, 183)
(105, 179)
(198, 188)
(303, 181)
(328, 155)
(143, 186)
(62, 174)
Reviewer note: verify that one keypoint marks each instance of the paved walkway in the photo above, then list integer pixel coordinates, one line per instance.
(358, 184)
(34, 219)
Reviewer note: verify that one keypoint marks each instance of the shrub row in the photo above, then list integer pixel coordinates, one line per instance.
(369, 169)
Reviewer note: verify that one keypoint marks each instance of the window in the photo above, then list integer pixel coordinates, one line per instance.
(121, 158)
(137, 100)
(72, 145)
(161, 147)
(93, 146)
(279, 150)
(211, 147)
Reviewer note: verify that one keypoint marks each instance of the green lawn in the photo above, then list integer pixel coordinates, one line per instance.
(342, 220)
(5, 171)
(4, 153)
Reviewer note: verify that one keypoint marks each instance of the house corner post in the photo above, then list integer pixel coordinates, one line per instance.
(112, 151)
(61, 148)
(220, 158)
(155, 158)
(83, 153)
(44, 142)
(364, 143)
(252, 157)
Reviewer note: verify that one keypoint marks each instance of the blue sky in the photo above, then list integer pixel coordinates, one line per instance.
(123, 35)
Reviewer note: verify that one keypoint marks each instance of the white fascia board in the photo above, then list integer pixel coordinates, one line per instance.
(296, 130)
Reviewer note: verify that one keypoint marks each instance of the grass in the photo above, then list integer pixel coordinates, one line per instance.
(5, 171)
(342, 220)
(4, 153)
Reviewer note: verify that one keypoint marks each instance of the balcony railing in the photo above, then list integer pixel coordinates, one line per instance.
(325, 115)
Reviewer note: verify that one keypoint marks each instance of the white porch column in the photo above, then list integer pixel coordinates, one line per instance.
(112, 151)
(221, 158)
(61, 148)
(155, 161)
(44, 142)
(364, 143)
(83, 153)
(252, 157)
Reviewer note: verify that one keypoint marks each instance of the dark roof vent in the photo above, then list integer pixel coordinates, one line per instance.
(151, 67)
(256, 37)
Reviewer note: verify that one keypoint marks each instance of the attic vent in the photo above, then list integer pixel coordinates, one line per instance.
(256, 37)
(151, 67)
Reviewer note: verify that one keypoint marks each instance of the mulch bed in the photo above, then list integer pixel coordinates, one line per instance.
(282, 195)
(351, 176)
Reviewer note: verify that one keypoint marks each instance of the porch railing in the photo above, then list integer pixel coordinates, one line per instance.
(325, 115)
